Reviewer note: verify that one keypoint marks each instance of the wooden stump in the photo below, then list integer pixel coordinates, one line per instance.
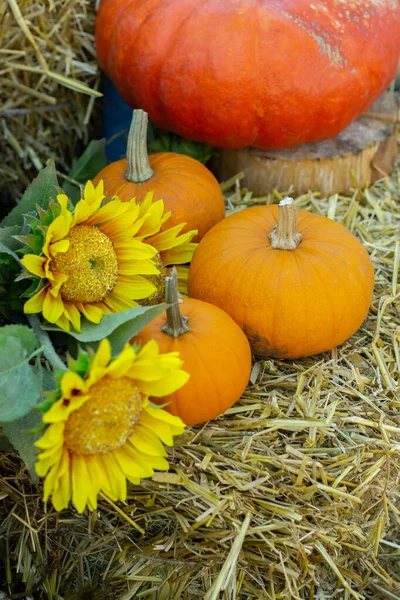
(364, 152)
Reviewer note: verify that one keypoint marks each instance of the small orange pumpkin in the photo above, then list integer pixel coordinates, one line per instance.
(189, 190)
(296, 289)
(214, 351)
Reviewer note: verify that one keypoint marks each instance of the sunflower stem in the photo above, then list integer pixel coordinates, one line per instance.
(137, 159)
(44, 340)
(285, 236)
(176, 324)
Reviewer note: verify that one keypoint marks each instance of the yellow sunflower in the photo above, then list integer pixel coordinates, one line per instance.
(102, 430)
(100, 257)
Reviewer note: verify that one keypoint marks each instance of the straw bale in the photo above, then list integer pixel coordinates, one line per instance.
(49, 80)
(292, 494)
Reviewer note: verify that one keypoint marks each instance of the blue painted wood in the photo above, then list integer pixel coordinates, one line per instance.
(117, 119)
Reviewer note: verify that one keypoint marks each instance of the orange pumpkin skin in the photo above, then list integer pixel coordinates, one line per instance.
(264, 73)
(290, 303)
(189, 190)
(215, 352)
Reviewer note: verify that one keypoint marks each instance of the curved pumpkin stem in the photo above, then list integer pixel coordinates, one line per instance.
(285, 235)
(176, 323)
(137, 159)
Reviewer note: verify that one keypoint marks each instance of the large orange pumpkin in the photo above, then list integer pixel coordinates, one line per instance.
(295, 289)
(189, 190)
(214, 351)
(265, 73)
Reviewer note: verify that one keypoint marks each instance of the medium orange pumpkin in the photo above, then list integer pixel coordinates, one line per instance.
(189, 190)
(264, 73)
(214, 351)
(295, 289)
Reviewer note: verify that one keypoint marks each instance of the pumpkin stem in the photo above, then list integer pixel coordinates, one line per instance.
(137, 158)
(176, 323)
(284, 235)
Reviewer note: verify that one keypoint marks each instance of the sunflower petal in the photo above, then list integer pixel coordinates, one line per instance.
(154, 218)
(137, 267)
(51, 436)
(96, 470)
(94, 196)
(73, 315)
(44, 464)
(92, 313)
(111, 212)
(60, 246)
(134, 250)
(143, 466)
(165, 386)
(62, 495)
(53, 308)
(158, 463)
(160, 428)
(61, 409)
(56, 284)
(146, 441)
(63, 323)
(103, 354)
(35, 264)
(164, 240)
(82, 212)
(59, 228)
(116, 481)
(163, 415)
(62, 200)
(80, 482)
(35, 304)
(128, 466)
(123, 362)
(71, 384)
(117, 304)
(141, 287)
(183, 276)
(179, 255)
(51, 480)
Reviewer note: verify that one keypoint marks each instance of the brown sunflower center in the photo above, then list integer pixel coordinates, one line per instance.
(90, 263)
(107, 418)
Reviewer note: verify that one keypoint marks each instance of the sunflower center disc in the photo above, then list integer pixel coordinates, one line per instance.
(90, 263)
(107, 418)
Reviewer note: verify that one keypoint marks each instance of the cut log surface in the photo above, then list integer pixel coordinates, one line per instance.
(363, 152)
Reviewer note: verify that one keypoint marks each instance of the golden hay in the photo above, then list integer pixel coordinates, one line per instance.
(49, 79)
(292, 494)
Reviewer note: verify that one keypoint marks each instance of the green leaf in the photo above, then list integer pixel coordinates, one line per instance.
(23, 333)
(20, 383)
(162, 141)
(38, 193)
(92, 161)
(7, 237)
(122, 334)
(5, 250)
(19, 434)
(119, 327)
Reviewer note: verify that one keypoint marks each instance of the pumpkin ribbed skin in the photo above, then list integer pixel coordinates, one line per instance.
(265, 73)
(189, 190)
(215, 352)
(290, 303)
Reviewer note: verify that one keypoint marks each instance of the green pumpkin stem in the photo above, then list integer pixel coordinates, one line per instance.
(285, 236)
(176, 323)
(137, 159)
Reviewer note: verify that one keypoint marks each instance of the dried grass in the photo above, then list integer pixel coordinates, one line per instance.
(49, 79)
(292, 494)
